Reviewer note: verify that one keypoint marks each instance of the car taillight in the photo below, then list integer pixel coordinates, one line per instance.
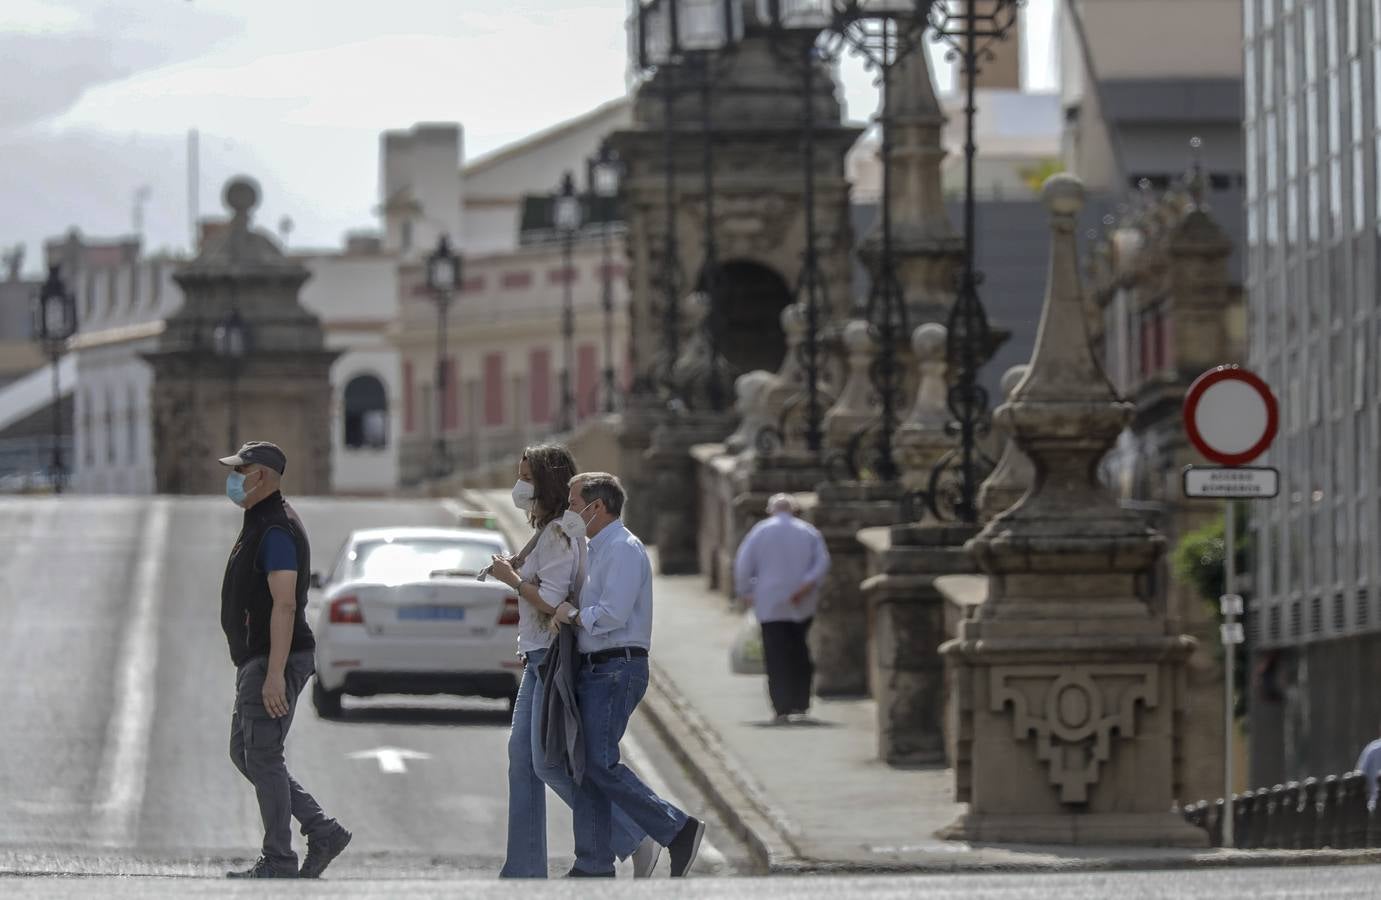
(509, 616)
(346, 611)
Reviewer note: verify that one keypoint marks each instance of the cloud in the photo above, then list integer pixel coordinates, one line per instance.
(57, 52)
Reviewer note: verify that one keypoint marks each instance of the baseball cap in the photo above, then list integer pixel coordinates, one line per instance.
(261, 452)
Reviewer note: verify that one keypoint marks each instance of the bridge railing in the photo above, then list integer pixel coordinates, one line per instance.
(1332, 812)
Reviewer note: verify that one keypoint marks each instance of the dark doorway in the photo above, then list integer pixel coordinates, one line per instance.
(366, 413)
(751, 300)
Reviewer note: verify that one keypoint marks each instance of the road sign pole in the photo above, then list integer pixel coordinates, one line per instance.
(1229, 654)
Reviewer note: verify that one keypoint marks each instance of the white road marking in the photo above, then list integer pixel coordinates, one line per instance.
(391, 759)
(124, 766)
(638, 760)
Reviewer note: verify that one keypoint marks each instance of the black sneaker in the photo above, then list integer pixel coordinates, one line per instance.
(581, 873)
(320, 852)
(685, 847)
(262, 868)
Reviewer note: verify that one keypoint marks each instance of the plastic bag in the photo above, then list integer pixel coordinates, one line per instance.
(745, 655)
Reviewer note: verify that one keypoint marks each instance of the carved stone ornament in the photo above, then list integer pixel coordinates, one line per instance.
(753, 390)
(1072, 712)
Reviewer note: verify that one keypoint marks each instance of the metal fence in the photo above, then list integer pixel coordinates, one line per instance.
(25, 462)
(1303, 815)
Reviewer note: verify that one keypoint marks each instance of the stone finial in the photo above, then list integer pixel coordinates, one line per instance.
(922, 438)
(239, 246)
(791, 376)
(241, 196)
(856, 407)
(931, 409)
(752, 390)
(1013, 475)
(1065, 415)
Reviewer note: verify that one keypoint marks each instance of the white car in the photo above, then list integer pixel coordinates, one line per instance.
(401, 612)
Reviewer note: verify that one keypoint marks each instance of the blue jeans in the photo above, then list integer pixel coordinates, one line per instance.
(528, 778)
(608, 693)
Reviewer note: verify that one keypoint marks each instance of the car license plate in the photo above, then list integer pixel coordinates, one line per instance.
(454, 613)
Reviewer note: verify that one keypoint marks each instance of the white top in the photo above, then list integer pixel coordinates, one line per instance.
(552, 565)
(779, 556)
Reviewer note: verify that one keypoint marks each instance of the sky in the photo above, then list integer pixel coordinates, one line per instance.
(100, 94)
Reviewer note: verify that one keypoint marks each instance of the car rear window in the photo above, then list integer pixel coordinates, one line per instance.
(415, 559)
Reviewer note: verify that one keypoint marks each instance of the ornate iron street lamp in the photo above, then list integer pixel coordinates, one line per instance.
(231, 341)
(677, 36)
(55, 321)
(801, 36)
(603, 172)
(443, 280)
(566, 215)
(883, 33)
(970, 28)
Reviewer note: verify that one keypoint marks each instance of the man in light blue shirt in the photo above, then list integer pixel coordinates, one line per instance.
(778, 570)
(615, 634)
(1369, 764)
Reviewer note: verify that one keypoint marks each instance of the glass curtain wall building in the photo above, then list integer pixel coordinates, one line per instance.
(1312, 145)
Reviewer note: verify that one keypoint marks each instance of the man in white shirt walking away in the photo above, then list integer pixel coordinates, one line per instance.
(778, 570)
(615, 633)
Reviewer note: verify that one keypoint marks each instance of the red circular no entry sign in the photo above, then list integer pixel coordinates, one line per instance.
(1230, 415)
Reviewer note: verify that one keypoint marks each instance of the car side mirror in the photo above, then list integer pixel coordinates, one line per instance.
(316, 579)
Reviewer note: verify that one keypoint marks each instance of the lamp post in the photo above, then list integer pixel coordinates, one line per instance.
(231, 341)
(55, 321)
(443, 280)
(797, 30)
(566, 215)
(883, 33)
(684, 36)
(604, 171)
(970, 27)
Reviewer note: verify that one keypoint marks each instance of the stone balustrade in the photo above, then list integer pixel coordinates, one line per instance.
(1302, 815)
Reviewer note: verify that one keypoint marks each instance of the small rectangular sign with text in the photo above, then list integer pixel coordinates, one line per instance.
(1231, 482)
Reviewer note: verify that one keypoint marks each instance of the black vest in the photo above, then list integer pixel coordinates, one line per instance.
(246, 603)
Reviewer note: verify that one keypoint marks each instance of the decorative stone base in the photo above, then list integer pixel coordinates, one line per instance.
(839, 638)
(1164, 829)
(674, 504)
(906, 616)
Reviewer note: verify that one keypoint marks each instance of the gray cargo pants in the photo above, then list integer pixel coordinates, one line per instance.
(256, 749)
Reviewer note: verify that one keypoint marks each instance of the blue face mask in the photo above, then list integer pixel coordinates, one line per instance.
(235, 488)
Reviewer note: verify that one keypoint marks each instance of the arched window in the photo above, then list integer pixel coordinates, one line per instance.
(366, 413)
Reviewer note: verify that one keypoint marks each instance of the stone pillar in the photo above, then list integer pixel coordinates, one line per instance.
(1068, 686)
(279, 391)
(906, 614)
(1012, 477)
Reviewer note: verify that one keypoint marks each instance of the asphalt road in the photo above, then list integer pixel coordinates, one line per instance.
(115, 693)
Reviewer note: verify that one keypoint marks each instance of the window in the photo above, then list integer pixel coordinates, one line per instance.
(109, 427)
(409, 399)
(539, 384)
(132, 423)
(403, 560)
(493, 389)
(88, 429)
(366, 413)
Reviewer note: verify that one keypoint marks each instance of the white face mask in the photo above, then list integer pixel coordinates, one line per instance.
(572, 524)
(523, 493)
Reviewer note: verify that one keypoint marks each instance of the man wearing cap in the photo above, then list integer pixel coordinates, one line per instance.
(264, 616)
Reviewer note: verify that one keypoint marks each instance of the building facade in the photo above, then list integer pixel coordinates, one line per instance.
(1313, 147)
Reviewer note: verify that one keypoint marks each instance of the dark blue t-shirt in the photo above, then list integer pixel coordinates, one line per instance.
(276, 552)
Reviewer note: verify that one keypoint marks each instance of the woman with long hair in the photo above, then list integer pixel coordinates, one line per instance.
(543, 581)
